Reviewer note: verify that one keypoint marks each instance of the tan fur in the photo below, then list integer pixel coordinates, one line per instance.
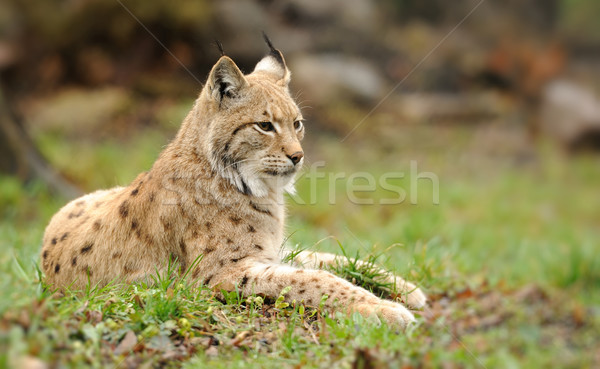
(217, 190)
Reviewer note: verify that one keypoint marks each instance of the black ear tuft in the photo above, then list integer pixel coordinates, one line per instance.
(220, 47)
(268, 41)
(274, 52)
(274, 64)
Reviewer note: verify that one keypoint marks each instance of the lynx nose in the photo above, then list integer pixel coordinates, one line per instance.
(296, 157)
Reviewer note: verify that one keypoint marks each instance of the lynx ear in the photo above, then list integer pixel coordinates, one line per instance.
(274, 64)
(225, 80)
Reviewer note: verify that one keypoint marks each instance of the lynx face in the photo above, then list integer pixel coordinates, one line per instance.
(256, 127)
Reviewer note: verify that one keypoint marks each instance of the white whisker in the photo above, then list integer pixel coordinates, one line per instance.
(239, 161)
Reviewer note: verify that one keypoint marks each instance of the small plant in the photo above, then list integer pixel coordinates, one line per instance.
(364, 273)
(280, 301)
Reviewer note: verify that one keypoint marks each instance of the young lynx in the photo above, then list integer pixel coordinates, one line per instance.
(217, 190)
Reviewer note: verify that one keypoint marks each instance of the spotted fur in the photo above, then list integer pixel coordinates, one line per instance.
(217, 190)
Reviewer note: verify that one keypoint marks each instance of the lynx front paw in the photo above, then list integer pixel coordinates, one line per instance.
(416, 299)
(392, 313)
(410, 294)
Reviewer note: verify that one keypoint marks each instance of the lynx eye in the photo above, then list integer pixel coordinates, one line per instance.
(298, 125)
(265, 126)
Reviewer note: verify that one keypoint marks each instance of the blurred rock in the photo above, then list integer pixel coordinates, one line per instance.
(570, 114)
(324, 78)
(457, 108)
(349, 13)
(78, 111)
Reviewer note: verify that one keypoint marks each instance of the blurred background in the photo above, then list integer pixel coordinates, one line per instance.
(499, 99)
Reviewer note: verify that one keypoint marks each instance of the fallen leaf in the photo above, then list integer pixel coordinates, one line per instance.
(365, 359)
(109, 302)
(127, 343)
(200, 341)
(94, 316)
(578, 315)
(29, 362)
(464, 294)
(530, 293)
(138, 300)
(211, 351)
(240, 337)
(83, 307)
(24, 320)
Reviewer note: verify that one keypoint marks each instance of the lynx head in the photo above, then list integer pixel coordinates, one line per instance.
(254, 127)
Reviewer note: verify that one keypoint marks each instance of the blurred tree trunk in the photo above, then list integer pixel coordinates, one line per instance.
(20, 157)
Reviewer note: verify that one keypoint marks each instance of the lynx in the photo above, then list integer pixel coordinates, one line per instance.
(217, 190)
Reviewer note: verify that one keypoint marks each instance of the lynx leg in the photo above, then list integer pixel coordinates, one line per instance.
(413, 295)
(310, 285)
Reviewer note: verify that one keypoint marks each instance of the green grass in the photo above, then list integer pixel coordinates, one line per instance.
(509, 257)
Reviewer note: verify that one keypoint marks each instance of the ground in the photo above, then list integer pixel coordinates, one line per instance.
(509, 257)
